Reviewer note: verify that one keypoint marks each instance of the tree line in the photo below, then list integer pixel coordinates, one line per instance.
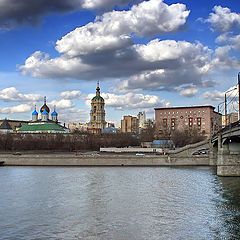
(65, 142)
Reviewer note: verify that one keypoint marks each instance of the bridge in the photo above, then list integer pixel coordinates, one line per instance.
(225, 150)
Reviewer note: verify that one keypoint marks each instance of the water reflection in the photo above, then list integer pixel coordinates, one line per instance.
(228, 206)
(118, 203)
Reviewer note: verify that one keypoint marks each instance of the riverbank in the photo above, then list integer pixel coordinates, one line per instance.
(95, 159)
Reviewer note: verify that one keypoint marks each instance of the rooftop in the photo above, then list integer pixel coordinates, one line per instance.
(206, 106)
(41, 127)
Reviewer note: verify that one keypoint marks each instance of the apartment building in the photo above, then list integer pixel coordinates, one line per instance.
(202, 118)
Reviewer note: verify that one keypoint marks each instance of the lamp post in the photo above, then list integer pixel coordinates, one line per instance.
(239, 96)
(225, 101)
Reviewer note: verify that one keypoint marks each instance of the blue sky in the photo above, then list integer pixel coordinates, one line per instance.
(145, 54)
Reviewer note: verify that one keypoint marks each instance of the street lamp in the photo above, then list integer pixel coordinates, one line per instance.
(225, 101)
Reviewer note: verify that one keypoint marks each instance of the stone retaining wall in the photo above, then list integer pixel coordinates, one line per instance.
(101, 160)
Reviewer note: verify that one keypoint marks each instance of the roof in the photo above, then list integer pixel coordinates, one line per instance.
(17, 121)
(41, 127)
(44, 107)
(5, 125)
(97, 98)
(44, 112)
(35, 112)
(54, 113)
(206, 106)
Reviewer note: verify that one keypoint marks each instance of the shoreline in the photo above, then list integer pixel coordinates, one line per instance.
(73, 159)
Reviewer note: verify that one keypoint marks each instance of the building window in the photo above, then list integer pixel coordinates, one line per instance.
(190, 122)
(164, 122)
(199, 121)
(94, 109)
(172, 123)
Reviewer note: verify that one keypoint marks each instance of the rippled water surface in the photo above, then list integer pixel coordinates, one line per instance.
(118, 203)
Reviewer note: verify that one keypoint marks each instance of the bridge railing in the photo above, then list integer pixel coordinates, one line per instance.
(228, 127)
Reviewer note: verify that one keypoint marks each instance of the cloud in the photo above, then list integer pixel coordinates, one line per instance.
(16, 109)
(177, 62)
(223, 59)
(71, 94)
(219, 96)
(99, 4)
(12, 94)
(213, 96)
(105, 48)
(73, 115)
(113, 29)
(130, 101)
(14, 13)
(223, 20)
(61, 104)
(188, 92)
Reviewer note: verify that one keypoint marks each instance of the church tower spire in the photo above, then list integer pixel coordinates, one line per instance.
(97, 113)
(98, 89)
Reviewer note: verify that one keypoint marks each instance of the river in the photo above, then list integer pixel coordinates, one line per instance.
(118, 203)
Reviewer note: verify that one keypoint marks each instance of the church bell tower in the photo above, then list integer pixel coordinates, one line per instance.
(97, 113)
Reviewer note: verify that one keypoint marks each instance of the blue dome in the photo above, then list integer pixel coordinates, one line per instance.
(44, 112)
(35, 112)
(54, 113)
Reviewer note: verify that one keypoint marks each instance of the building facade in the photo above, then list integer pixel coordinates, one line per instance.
(129, 124)
(201, 118)
(97, 113)
(231, 118)
(78, 127)
(141, 120)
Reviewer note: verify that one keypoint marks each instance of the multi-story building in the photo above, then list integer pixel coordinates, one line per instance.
(81, 127)
(97, 113)
(129, 124)
(141, 119)
(231, 118)
(202, 118)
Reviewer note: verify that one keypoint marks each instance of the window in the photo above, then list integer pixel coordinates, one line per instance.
(190, 122)
(164, 122)
(172, 123)
(199, 121)
(94, 109)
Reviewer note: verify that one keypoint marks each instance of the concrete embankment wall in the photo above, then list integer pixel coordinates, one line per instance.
(100, 160)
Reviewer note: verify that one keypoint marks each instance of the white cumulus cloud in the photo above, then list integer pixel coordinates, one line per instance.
(130, 101)
(12, 94)
(61, 104)
(16, 109)
(223, 20)
(71, 94)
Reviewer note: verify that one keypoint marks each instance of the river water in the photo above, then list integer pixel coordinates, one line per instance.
(118, 203)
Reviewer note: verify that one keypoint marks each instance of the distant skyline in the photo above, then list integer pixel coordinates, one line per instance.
(145, 54)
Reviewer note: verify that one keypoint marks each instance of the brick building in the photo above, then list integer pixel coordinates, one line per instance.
(202, 118)
(129, 124)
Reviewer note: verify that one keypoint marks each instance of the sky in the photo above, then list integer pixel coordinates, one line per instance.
(145, 54)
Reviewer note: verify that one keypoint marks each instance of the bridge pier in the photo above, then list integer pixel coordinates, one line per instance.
(225, 150)
(228, 162)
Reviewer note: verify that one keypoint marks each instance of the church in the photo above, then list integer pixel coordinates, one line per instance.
(41, 122)
(97, 113)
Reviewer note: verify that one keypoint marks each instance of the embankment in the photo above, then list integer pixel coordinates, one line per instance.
(71, 159)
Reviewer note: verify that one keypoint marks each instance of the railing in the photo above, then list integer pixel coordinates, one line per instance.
(227, 128)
